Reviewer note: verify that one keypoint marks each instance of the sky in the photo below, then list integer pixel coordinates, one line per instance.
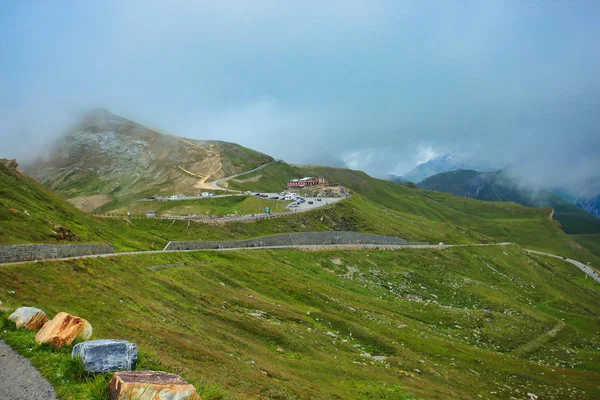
(372, 85)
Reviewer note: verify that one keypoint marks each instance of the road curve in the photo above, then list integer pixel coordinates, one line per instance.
(215, 184)
(579, 265)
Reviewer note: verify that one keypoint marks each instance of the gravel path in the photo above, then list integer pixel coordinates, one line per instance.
(19, 380)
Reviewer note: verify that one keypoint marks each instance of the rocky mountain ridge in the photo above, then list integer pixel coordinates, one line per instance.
(106, 158)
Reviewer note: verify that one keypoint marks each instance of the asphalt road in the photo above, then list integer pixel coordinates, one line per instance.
(19, 380)
(579, 265)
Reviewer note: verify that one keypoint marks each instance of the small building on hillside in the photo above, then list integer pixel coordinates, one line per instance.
(306, 182)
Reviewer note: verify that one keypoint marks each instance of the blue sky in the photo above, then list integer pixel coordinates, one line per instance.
(373, 85)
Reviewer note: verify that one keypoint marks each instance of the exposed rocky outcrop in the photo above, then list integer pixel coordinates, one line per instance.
(150, 385)
(104, 154)
(28, 317)
(12, 164)
(106, 355)
(64, 329)
(64, 234)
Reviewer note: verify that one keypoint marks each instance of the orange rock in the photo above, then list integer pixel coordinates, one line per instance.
(28, 317)
(150, 385)
(64, 329)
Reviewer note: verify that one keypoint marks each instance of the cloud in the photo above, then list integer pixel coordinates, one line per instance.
(374, 85)
(424, 154)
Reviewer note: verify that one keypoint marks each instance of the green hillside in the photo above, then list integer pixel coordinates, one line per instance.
(235, 204)
(496, 186)
(453, 324)
(273, 178)
(450, 324)
(510, 222)
(574, 220)
(590, 242)
(377, 206)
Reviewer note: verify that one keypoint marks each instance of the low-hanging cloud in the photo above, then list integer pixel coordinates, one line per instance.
(372, 85)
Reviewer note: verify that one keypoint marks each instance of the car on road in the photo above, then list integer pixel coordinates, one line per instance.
(310, 202)
(319, 199)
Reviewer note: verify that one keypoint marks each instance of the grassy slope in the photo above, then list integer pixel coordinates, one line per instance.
(454, 324)
(381, 207)
(502, 221)
(242, 205)
(18, 194)
(496, 186)
(29, 212)
(273, 178)
(590, 242)
(574, 220)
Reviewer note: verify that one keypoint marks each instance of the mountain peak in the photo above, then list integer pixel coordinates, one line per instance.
(444, 163)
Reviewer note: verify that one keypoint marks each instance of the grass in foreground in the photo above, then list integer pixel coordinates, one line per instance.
(452, 324)
(68, 376)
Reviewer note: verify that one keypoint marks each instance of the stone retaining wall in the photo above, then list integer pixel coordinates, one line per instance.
(31, 252)
(295, 239)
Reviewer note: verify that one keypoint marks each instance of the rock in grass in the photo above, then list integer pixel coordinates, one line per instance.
(107, 355)
(28, 317)
(64, 329)
(150, 385)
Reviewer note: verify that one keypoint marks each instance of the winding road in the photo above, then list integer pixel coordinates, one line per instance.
(215, 184)
(578, 264)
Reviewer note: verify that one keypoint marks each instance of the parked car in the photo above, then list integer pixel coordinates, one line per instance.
(318, 199)
(310, 202)
(294, 205)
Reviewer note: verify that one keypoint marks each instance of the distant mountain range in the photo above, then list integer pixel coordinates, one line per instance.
(444, 163)
(106, 159)
(498, 186)
(586, 196)
(591, 205)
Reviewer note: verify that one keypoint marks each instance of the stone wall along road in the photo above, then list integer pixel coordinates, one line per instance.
(31, 252)
(295, 239)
